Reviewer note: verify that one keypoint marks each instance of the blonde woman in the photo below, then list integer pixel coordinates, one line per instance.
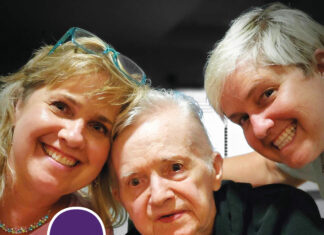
(57, 114)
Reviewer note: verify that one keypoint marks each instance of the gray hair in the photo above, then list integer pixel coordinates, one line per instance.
(275, 35)
(156, 101)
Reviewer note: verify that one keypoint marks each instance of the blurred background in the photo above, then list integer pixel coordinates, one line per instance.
(170, 39)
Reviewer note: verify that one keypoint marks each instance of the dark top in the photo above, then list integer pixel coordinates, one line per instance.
(267, 210)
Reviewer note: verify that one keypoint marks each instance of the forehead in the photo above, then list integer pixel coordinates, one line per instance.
(82, 83)
(90, 86)
(249, 73)
(241, 84)
(80, 91)
(155, 139)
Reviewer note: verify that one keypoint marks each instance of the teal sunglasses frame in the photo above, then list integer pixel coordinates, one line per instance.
(71, 34)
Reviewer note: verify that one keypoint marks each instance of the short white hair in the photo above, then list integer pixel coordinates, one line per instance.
(275, 35)
(157, 101)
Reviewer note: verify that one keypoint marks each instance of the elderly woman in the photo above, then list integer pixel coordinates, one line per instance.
(266, 75)
(57, 114)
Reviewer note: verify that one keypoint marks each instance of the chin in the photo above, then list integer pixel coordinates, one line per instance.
(298, 162)
(295, 165)
(177, 231)
(184, 232)
(50, 186)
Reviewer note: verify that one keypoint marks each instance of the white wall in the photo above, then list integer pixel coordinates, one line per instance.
(215, 127)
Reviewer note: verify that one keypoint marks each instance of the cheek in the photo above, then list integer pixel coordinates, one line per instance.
(136, 209)
(250, 138)
(287, 105)
(27, 131)
(35, 122)
(199, 199)
(98, 152)
(195, 192)
(284, 109)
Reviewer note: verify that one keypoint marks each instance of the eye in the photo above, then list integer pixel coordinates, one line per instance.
(176, 167)
(99, 127)
(243, 119)
(61, 107)
(176, 170)
(268, 92)
(134, 182)
(267, 96)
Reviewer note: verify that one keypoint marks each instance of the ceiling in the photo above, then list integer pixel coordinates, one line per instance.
(170, 39)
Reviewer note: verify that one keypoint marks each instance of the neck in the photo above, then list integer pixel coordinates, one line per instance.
(23, 207)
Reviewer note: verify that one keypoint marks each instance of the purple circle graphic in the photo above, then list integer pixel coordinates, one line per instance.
(76, 220)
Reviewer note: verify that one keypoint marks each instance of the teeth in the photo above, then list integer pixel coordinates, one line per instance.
(59, 158)
(286, 136)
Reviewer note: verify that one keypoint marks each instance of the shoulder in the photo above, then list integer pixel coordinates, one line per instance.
(287, 208)
(274, 209)
(267, 193)
(280, 196)
(307, 172)
(285, 195)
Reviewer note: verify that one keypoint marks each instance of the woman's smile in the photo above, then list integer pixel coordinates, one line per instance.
(59, 156)
(286, 136)
(72, 131)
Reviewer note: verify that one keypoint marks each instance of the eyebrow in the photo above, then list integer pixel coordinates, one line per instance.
(126, 175)
(104, 119)
(176, 158)
(99, 117)
(252, 89)
(254, 86)
(71, 99)
(172, 158)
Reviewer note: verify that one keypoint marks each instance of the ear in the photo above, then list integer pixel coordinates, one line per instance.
(319, 57)
(218, 168)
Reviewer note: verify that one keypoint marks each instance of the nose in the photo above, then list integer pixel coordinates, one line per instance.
(160, 190)
(260, 125)
(72, 133)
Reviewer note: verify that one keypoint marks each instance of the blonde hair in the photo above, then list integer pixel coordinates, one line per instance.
(45, 69)
(275, 35)
(101, 188)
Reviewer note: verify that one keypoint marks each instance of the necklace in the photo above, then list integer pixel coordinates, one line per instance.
(25, 229)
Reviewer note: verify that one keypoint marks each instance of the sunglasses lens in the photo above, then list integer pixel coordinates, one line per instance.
(85, 39)
(130, 69)
(79, 33)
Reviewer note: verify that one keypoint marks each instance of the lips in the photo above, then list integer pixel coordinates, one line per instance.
(59, 157)
(286, 136)
(170, 217)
